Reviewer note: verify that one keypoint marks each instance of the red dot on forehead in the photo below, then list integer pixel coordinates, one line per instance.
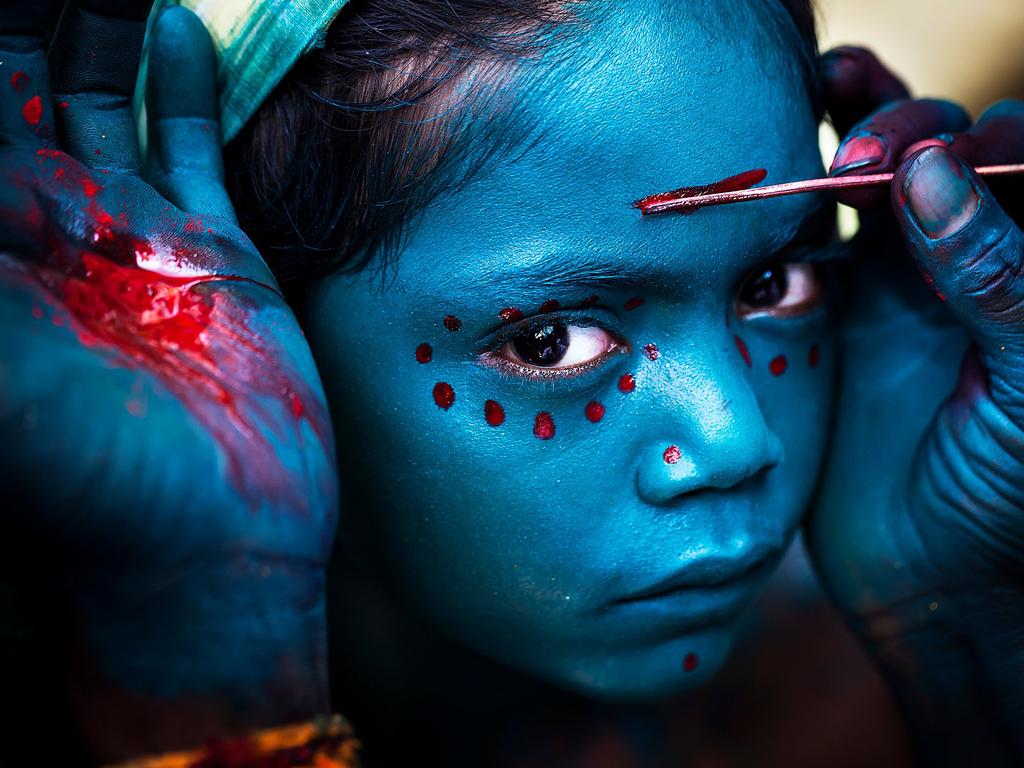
(672, 454)
(627, 383)
(544, 426)
(444, 395)
(814, 356)
(744, 352)
(633, 303)
(549, 306)
(594, 411)
(494, 413)
(424, 353)
(651, 351)
(778, 365)
(510, 314)
(452, 323)
(690, 662)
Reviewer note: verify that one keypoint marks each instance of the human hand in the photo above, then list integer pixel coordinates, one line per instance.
(165, 435)
(919, 530)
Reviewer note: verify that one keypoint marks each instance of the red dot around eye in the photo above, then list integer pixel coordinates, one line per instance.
(633, 303)
(452, 323)
(549, 306)
(672, 454)
(494, 413)
(510, 315)
(33, 110)
(651, 351)
(814, 356)
(544, 426)
(690, 662)
(424, 353)
(778, 365)
(589, 301)
(627, 383)
(594, 411)
(444, 395)
(744, 352)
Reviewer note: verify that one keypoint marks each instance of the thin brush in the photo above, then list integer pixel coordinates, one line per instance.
(690, 199)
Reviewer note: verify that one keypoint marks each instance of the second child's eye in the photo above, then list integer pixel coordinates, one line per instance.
(555, 349)
(780, 290)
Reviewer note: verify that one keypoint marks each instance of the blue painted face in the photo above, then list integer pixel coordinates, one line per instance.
(594, 493)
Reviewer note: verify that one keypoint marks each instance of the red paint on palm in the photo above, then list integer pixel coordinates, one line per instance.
(740, 181)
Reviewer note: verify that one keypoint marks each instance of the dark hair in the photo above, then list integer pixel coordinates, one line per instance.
(349, 147)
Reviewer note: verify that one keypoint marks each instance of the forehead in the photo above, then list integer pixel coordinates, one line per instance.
(655, 95)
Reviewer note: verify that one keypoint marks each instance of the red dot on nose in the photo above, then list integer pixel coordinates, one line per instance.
(444, 395)
(672, 454)
(494, 413)
(544, 426)
(594, 411)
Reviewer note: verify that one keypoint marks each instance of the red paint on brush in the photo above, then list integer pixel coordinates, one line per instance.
(494, 413)
(672, 454)
(444, 395)
(651, 351)
(544, 426)
(633, 303)
(196, 341)
(20, 81)
(510, 315)
(778, 365)
(549, 306)
(452, 323)
(33, 110)
(740, 181)
(627, 383)
(594, 411)
(814, 356)
(690, 662)
(742, 347)
(424, 353)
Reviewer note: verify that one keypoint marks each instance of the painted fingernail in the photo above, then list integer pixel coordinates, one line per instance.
(858, 153)
(918, 146)
(939, 194)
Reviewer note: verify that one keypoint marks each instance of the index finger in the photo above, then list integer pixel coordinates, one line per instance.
(854, 84)
(25, 104)
(94, 63)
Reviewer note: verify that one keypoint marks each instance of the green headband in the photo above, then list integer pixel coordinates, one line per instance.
(257, 42)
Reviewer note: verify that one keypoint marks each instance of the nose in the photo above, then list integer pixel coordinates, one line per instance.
(712, 433)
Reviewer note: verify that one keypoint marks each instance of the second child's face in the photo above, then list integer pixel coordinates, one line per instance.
(576, 439)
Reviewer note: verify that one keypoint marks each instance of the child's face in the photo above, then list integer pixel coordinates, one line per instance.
(553, 491)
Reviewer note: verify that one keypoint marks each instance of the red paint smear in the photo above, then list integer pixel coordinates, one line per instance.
(594, 411)
(690, 662)
(740, 181)
(199, 343)
(672, 454)
(452, 323)
(424, 353)
(549, 306)
(633, 303)
(444, 395)
(627, 383)
(89, 187)
(193, 226)
(510, 315)
(494, 413)
(742, 347)
(651, 351)
(814, 356)
(19, 81)
(33, 110)
(778, 365)
(544, 426)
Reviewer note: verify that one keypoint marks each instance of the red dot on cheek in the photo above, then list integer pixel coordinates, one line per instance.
(778, 365)
(594, 411)
(672, 454)
(494, 413)
(444, 395)
(544, 426)
(424, 353)
(690, 662)
(651, 351)
(814, 356)
(744, 352)
(510, 315)
(33, 110)
(452, 323)
(627, 383)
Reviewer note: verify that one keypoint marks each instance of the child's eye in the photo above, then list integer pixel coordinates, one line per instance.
(554, 349)
(780, 290)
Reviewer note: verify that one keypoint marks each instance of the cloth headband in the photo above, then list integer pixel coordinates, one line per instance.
(257, 42)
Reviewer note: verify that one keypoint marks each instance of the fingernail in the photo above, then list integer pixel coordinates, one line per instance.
(918, 146)
(858, 153)
(939, 194)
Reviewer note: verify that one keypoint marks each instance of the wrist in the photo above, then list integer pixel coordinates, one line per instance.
(166, 661)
